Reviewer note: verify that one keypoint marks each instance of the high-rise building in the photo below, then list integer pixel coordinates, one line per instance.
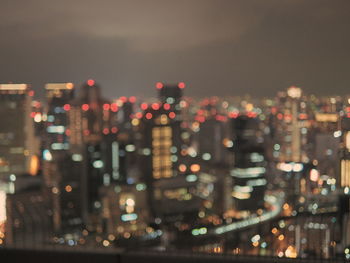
(18, 145)
(62, 175)
(248, 172)
(170, 195)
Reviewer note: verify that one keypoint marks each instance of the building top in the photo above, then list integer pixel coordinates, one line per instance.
(13, 86)
(59, 86)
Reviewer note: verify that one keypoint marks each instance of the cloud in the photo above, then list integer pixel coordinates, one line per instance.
(146, 25)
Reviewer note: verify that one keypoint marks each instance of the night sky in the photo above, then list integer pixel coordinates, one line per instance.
(218, 47)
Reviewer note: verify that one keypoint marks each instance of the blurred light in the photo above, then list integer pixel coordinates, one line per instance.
(166, 106)
(106, 106)
(314, 175)
(148, 116)
(97, 164)
(85, 107)
(144, 106)
(90, 82)
(37, 117)
(47, 155)
(34, 165)
(294, 92)
(114, 107)
(155, 106)
(132, 99)
(172, 115)
(181, 85)
(68, 188)
(129, 217)
(337, 134)
(195, 168)
(77, 157)
(191, 178)
(159, 85)
(206, 156)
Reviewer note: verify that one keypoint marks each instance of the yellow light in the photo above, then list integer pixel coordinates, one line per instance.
(105, 243)
(130, 202)
(34, 165)
(326, 117)
(68, 188)
(135, 122)
(249, 107)
(69, 85)
(195, 168)
(294, 92)
(182, 168)
(291, 252)
(281, 237)
(347, 140)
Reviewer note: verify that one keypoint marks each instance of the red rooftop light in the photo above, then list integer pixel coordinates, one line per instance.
(123, 99)
(85, 107)
(90, 82)
(155, 106)
(66, 107)
(181, 85)
(144, 106)
(172, 115)
(166, 106)
(132, 99)
(159, 85)
(106, 106)
(114, 107)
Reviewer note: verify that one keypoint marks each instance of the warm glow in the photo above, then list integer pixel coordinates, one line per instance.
(195, 168)
(34, 165)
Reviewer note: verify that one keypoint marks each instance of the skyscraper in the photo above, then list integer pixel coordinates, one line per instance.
(248, 172)
(18, 145)
(61, 173)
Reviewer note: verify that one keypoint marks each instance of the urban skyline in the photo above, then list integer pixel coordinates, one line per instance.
(86, 172)
(177, 131)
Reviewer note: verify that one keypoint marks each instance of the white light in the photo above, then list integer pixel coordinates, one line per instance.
(77, 157)
(255, 238)
(130, 202)
(37, 117)
(130, 148)
(298, 167)
(337, 134)
(129, 217)
(56, 129)
(206, 156)
(191, 178)
(97, 164)
(47, 155)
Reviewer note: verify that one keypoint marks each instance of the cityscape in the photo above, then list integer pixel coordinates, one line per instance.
(220, 175)
(175, 131)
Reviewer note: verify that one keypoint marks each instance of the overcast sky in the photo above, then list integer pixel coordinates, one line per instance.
(218, 47)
